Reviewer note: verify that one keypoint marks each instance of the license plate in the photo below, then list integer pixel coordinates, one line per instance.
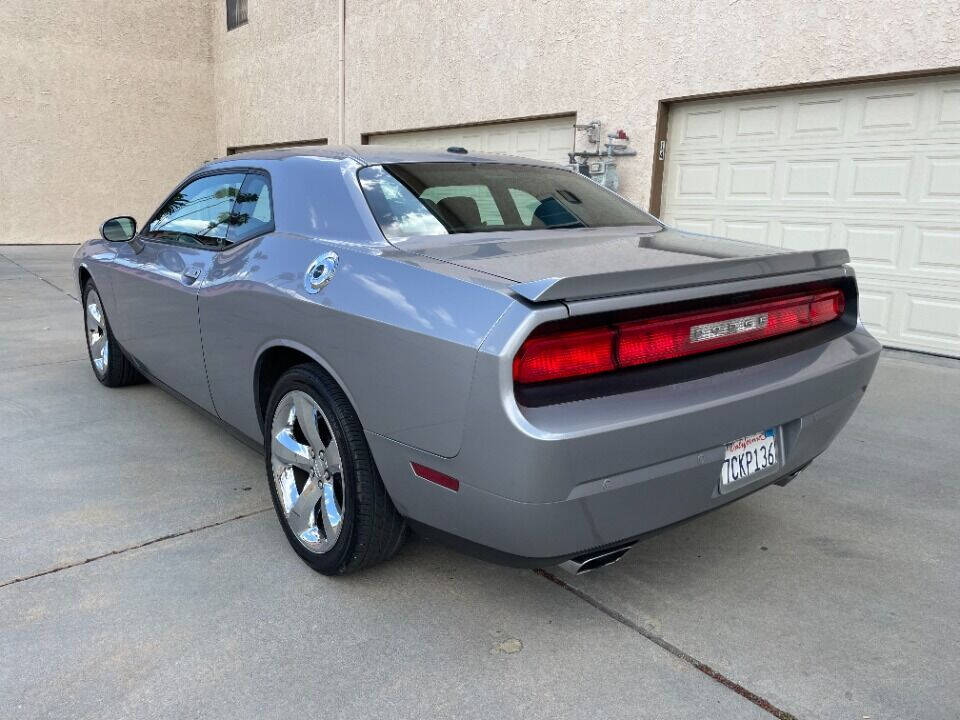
(749, 456)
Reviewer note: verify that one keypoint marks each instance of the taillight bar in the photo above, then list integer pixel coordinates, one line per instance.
(575, 353)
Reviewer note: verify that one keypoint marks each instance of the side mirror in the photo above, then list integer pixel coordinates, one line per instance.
(119, 229)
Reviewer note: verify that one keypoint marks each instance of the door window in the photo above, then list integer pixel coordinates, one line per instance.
(253, 212)
(199, 214)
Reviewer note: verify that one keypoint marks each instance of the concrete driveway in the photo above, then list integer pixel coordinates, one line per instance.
(143, 573)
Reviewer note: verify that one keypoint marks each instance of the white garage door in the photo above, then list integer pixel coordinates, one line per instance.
(874, 168)
(548, 139)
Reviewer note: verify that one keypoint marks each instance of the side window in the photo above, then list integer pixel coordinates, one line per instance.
(199, 213)
(398, 211)
(253, 213)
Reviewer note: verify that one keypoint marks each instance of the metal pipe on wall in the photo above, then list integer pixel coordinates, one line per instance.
(341, 69)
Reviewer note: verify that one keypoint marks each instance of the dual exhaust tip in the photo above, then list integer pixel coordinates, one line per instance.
(601, 558)
(595, 560)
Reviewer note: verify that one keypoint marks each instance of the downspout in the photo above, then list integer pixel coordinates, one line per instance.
(341, 70)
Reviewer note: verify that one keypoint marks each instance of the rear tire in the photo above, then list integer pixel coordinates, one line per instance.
(110, 366)
(326, 490)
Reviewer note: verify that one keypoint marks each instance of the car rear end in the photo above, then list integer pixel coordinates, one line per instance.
(632, 430)
(642, 375)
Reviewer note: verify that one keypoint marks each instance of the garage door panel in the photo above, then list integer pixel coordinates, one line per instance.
(932, 319)
(749, 231)
(943, 179)
(889, 112)
(879, 179)
(805, 236)
(938, 252)
(875, 310)
(808, 179)
(756, 123)
(948, 112)
(694, 225)
(698, 181)
(876, 247)
(559, 140)
(821, 118)
(548, 139)
(702, 128)
(754, 180)
(874, 168)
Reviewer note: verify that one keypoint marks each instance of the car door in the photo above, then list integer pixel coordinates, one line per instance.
(158, 276)
(227, 316)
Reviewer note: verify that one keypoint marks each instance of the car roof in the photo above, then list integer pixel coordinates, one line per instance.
(377, 154)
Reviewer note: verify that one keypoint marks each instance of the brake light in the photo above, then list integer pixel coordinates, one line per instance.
(568, 354)
(565, 355)
(649, 341)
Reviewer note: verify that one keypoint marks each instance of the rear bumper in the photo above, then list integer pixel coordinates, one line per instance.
(541, 485)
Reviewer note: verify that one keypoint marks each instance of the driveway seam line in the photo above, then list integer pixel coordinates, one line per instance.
(714, 675)
(39, 277)
(121, 551)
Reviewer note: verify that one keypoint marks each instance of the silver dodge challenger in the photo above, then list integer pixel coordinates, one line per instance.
(495, 352)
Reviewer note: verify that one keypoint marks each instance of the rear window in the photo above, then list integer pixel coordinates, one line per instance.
(444, 198)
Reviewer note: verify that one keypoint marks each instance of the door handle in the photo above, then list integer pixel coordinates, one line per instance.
(190, 275)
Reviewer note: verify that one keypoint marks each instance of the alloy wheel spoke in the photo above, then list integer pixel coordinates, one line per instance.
(289, 451)
(329, 513)
(93, 310)
(307, 417)
(301, 517)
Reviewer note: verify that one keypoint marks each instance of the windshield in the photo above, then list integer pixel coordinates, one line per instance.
(458, 197)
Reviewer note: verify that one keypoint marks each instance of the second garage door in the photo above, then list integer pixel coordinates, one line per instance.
(874, 168)
(545, 139)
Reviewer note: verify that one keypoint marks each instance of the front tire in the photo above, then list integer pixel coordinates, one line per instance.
(325, 487)
(110, 366)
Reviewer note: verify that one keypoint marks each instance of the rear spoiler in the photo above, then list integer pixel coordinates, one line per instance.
(583, 287)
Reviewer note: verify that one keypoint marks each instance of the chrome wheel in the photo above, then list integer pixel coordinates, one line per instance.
(307, 471)
(96, 326)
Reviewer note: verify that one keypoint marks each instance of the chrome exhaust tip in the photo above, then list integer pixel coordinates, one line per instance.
(595, 560)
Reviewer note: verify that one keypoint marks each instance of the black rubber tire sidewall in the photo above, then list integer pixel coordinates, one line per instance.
(351, 551)
(120, 370)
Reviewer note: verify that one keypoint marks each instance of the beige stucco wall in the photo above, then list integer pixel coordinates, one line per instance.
(420, 64)
(275, 78)
(103, 106)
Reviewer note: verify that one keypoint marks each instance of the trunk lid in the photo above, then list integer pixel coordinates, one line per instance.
(578, 264)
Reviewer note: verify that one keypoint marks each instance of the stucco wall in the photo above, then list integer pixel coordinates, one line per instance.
(103, 106)
(418, 64)
(275, 78)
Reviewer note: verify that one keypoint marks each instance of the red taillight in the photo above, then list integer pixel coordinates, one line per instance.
(674, 336)
(587, 352)
(565, 355)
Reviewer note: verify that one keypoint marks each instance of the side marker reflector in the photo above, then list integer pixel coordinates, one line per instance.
(435, 476)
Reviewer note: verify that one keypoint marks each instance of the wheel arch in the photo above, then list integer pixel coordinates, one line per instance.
(274, 359)
(83, 274)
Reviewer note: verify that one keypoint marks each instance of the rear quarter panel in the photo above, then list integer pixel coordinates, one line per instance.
(401, 340)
